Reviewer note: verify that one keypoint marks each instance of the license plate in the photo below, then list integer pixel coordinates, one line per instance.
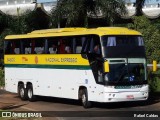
(130, 97)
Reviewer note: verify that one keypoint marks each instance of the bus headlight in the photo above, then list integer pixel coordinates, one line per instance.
(106, 77)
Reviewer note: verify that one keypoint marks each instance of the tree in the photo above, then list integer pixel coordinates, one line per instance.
(151, 37)
(3, 21)
(139, 5)
(29, 21)
(77, 12)
(22, 24)
(37, 20)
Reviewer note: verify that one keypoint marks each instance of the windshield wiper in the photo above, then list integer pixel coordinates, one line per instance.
(122, 74)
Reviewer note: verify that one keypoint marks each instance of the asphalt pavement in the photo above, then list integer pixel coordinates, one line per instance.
(66, 109)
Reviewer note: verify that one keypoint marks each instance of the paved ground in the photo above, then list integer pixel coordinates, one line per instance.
(74, 110)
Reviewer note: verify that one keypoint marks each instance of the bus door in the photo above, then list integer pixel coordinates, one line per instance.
(92, 50)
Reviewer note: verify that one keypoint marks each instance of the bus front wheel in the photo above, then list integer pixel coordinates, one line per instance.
(84, 99)
(22, 92)
(31, 96)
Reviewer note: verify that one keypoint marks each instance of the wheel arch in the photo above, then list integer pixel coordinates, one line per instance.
(29, 84)
(19, 83)
(80, 91)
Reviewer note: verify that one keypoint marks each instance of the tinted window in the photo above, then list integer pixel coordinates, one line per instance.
(13, 47)
(39, 46)
(122, 41)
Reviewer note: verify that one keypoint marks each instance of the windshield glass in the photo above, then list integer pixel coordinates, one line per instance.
(126, 73)
(123, 46)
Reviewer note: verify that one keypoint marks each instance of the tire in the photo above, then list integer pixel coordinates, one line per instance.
(30, 95)
(84, 99)
(22, 92)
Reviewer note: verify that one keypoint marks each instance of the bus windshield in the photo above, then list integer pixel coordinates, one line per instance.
(123, 46)
(126, 73)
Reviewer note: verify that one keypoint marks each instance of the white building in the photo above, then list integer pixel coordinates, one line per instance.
(15, 7)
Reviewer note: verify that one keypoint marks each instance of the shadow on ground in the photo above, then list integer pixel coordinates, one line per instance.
(11, 106)
(153, 99)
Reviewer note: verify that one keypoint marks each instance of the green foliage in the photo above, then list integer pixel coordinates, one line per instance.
(1, 77)
(18, 25)
(29, 21)
(151, 37)
(3, 21)
(111, 9)
(36, 20)
(139, 5)
(21, 24)
(156, 23)
(77, 12)
(154, 81)
(3, 35)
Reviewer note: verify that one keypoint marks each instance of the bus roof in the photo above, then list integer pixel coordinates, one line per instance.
(58, 30)
(75, 31)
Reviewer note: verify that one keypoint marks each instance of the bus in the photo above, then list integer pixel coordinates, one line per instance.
(104, 64)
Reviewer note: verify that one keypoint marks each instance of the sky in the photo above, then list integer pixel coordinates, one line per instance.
(147, 1)
(43, 1)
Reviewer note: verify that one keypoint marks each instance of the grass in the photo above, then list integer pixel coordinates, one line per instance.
(1, 77)
(154, 80)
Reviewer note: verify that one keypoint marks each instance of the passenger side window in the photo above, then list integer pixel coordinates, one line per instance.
(96, 45)
(12, 47)
(79, 42)
(75, 44)
(8, 49)
(52, 46)
(16, 47)
(39, 46)
(91, 44)
(65, 45)
(27, 46)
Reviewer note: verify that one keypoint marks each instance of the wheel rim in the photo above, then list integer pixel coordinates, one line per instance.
(83, 98)
(22, 92)
(30, 93)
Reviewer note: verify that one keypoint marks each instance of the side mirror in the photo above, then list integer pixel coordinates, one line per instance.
(106, 66)
(154, 66)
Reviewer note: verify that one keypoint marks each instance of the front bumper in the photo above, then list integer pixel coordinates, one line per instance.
(125, 96)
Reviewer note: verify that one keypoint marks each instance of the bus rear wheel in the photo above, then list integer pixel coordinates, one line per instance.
(84, 99)
(22, 92)
(30, 95)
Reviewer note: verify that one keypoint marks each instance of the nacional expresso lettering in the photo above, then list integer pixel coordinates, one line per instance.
(71, 60)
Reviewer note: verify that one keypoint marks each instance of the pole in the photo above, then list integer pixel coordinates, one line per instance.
(58, 18)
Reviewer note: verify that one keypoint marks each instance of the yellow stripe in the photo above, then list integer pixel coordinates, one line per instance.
(51, 59)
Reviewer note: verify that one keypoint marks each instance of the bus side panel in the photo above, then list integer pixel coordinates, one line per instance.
(57, 83)
(11, 80)
(95, 91)
(52, 75)
(62, 83)
(46, 82)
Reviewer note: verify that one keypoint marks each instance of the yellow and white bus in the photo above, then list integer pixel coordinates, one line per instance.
(105, 64)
